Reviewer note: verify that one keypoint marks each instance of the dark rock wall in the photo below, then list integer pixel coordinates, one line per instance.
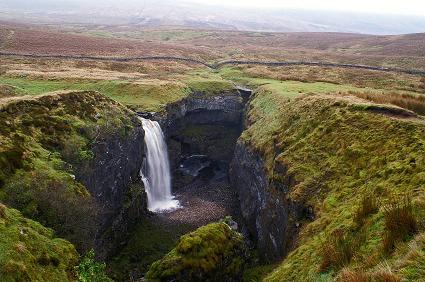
(221, 108)
(264, 208)
(113, 180)
(207, 125)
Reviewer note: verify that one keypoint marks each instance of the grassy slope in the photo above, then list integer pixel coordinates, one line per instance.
(145, 97)
(152, 96)
(326, 142)
(267, 113)
(30, 252)
(295, 81)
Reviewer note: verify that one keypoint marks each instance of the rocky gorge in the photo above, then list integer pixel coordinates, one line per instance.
(72, 161)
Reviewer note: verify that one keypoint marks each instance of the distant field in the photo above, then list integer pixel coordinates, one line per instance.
(404, 51)
(155, 94)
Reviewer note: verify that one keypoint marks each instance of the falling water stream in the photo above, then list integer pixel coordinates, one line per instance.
(155, 171)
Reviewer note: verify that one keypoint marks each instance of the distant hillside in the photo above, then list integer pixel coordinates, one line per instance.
(403, 51)
(186, 14)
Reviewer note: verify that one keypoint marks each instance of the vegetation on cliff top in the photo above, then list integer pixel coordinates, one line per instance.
(30, 252)
(149, 96)
(339, 149)
(44, 140)
(211, 253)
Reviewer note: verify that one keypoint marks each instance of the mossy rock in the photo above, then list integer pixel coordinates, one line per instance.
(30, 252)
(211, 253)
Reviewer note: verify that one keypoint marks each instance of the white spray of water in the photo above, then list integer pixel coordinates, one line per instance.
(155, 171)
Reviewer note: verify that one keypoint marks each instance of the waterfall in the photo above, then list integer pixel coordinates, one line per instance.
(155, 171)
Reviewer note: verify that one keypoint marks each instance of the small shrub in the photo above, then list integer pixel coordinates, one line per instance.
(91, 271)
(400, 222)
(338, 250)
(369, 205)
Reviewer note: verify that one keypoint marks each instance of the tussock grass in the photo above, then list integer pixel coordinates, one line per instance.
(338, 250)
(368, 205)
(347, 275)
(400, 222)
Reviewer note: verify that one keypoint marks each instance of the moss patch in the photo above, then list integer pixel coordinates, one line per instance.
(211, 253)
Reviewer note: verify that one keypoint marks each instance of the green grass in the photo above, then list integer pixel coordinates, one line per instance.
(30, 252)
(143, 97)
(291, 88)
(151, 97)
(258, 273)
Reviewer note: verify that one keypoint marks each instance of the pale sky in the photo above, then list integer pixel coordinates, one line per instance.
(413, 7)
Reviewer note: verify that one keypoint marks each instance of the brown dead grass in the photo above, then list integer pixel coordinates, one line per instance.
(347, 275)
(406, 101)
(403, 51)
(400, 222)
(357, 77)
(369, 205)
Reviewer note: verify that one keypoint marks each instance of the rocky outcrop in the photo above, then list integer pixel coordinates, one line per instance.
(203, 109)
(264, 208)
(272, 219)
(201, 124)
(113, 180)
(54, 143)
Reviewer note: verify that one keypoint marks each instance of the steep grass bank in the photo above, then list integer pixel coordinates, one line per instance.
(340, 150)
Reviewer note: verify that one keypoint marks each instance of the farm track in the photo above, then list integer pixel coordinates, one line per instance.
(219, 64)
